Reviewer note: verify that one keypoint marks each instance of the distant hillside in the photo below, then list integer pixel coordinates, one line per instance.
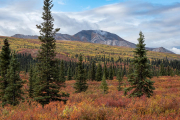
(95, 36)
(69, 49)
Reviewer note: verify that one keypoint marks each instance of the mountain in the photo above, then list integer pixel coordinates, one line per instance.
(95, 36)
(161, 49)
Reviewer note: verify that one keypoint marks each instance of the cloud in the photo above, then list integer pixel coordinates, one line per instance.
(175, 50)
(159, 23)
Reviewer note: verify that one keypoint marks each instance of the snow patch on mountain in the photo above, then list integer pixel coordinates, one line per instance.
(100, 32)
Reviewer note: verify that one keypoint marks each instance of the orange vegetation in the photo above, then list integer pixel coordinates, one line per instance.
(94, 105)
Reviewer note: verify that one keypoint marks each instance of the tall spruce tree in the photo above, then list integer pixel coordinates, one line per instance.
(62, 78)
(80, 84)
(138, 80)
(5, 58)
(99, 72)
(13, 92)
(47, 87)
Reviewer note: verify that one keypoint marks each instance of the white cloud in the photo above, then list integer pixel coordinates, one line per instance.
(175, 50)
(159, 23)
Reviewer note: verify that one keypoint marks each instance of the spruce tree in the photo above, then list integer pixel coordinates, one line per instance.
(69, 75)
(110, 73)
(99, 72)
(47, 87)
(76, 73)
(92, 77)
(162, 70)
(105, 71)
(31, 82)
(4, 65)
(168, 70)
(80, 84)
(13, 92)
(120, 76)
(104, 85)
(62, 73)
(139, 82)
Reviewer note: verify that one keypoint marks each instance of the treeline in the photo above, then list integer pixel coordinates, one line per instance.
(91, 65)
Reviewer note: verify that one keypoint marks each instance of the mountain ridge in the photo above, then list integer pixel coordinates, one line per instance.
(95, 36)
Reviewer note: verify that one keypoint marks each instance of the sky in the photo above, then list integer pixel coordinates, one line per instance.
(159, 20)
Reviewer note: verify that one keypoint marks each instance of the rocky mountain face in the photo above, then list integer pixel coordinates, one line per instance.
(95, 36)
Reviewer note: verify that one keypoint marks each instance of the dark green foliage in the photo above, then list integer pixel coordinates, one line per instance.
(69, 75)
(99, 72)
(125, 70)
(80, 84)
(93, 71)
(31, 83)
(110, 73)
(169, 71)
(120, 76)
(104, 85)
(162, 70)
(47, 85)
(138, 80)
(13, 92)
(62, 73)
(105, 71)
(4, 65)
(172, 73)
(76, 73)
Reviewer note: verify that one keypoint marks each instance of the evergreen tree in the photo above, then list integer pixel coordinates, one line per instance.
(104, 85)
(124, 69)
(169, 71)
(4, 65)
(162, 70)
(99, 73)
(93, 71)
(13, 92)
(47, 87)
(62, 78)
(80, 84)
(138, 80)
(69, 76)
(172, 73)
(76, 73)
(105, 71)
(31, 82)
(110, 73)
(120, 76)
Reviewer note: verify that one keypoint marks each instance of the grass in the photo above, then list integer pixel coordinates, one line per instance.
(94, 105)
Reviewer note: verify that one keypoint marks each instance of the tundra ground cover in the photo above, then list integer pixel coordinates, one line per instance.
(94, 105)
(69, 49)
